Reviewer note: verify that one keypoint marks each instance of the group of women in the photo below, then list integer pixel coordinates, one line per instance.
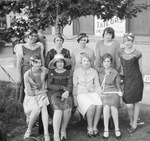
(82, 79)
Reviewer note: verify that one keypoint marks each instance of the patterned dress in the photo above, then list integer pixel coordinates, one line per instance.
(50, 55)
(110, 84)
(26, 53)
(56, 84)
(133, 82)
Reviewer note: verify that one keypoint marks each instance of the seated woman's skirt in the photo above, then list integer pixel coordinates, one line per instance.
(33, 103)
(86, 100)
(59, 104)
(111, 99)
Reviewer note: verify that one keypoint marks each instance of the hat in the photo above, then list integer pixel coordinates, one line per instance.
(129, 36)
(56, 58)
(82, 35)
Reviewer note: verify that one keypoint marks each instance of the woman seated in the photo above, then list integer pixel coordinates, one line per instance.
(36, 99)
(87, 94)
(111, 89)
(59, 93)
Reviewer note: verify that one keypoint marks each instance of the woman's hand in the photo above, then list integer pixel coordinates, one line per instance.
(65, 95)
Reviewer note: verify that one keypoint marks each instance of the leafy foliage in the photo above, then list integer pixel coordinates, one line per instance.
(9, 108)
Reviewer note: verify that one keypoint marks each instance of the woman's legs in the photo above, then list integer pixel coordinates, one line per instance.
(45, 122)
(90, 116)
(130, 110)
(97, 116)
(65, 120)
(33, 118)
(136, 114)
(106, 114)
(114, 112)
(57, 117)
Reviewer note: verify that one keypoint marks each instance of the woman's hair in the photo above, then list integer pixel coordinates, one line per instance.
(63, 61)
(33, 58)
(33, 31)
(107, 55)
(58, 36)
(109, 30)
(82, 35)
(86, 55)
(129, 36)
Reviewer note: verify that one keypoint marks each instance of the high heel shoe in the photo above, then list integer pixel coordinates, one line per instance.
(27, 134)
(105, 137)
(90, 134)
(63, 136)
(47, 137)
(96, 133)
(118, 137)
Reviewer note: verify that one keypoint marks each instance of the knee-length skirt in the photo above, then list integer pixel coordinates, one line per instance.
(86, 100)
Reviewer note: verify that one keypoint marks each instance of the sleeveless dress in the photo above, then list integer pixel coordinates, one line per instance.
(133, 82)
(56, 82)
(26, 54)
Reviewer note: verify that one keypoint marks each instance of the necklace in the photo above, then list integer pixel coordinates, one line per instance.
(60, 70)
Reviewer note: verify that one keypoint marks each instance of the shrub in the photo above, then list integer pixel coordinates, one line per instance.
(9, 107)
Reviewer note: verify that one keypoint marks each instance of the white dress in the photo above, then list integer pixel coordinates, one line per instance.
(87, 89)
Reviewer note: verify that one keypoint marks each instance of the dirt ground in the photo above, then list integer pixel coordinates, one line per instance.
(77, 131)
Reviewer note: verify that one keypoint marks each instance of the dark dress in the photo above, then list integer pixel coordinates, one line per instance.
(56, 84)
(133, 82)
(50, 55)
(27, 53)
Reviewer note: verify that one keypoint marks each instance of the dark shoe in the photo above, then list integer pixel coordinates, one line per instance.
(105, 138)
(90, 134)
(131, 130)
(96, 133)
(118, 137)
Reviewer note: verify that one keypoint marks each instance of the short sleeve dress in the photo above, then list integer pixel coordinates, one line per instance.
(87, 89)
(32, 101)
(26, 53)
(56, 83)
(133, 81)
(110, 84)
(50, 55)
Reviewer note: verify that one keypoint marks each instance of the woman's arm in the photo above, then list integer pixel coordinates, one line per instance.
(97, 84)
(19, 63)
(28, 90)
(69, 86)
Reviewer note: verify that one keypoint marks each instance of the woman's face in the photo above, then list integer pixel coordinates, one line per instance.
(128, 43)
(58, 42)
(85, 62)
(107, 63)
(107, 36)
(83, 41)
(37, 64)
(60, 64)
(33, 37)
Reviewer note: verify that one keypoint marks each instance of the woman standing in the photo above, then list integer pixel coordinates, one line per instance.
(24, 52)
(58, 40)
(87, 94)
(107, 45)
(77, 53)
(133, 82)
(59, 93)
(36, 99)
(111, 89)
